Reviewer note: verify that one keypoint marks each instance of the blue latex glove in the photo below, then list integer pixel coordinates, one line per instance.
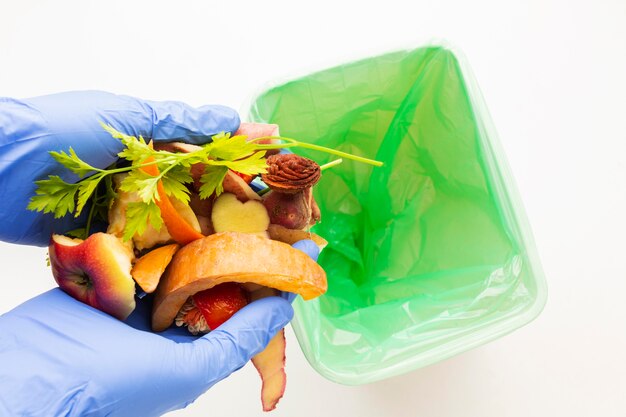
(30, 128)
(60, 357)
(310, 248)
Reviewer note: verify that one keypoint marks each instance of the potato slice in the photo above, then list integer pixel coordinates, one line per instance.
(231, 215)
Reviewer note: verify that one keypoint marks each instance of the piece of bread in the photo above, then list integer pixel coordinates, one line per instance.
(234, 257)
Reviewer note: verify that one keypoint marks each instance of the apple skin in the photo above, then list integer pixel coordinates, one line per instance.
(95, 271)
(270, 363)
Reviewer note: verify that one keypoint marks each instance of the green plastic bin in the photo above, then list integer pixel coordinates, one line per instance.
(428, 256)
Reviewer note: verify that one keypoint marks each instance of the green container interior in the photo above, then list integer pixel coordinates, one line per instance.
(429, 255)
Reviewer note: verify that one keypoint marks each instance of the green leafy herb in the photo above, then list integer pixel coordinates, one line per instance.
(72, 162)
(135, 150)
(138, 216)
(85, 189)
(175, 180)
(142, 183)
(56, 196)
(227, 148)
(252, 165)
(212, 180)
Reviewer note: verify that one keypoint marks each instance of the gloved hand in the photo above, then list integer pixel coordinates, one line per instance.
(310, 248)
(30, 128)
(60, 357)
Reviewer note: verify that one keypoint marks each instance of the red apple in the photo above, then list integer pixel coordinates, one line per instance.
(95, 271)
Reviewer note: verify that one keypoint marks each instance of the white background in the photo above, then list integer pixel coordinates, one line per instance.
(553, 74)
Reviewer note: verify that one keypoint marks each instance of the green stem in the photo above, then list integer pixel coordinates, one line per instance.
(331, 164)
(130, 168)
(91, 212)
(294, 143)
(162, 173)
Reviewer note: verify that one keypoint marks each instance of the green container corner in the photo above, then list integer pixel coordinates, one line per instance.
(428, 256)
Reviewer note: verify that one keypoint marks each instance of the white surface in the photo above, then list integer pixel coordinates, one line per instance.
(553, 75)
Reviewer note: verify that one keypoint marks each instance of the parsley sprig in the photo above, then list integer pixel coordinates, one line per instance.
(59, 197)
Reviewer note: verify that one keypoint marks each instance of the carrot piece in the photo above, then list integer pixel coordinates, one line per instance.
(181, 231)
(177, 226)
(150, 169)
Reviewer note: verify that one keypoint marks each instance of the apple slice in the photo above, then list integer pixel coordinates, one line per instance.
(148, 269)
(95, 271)
(270, 364)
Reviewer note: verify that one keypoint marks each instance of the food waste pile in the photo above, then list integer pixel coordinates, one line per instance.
(206, 229)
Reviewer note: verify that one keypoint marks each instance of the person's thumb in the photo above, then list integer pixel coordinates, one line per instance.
(309, 247)
(230, 346)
